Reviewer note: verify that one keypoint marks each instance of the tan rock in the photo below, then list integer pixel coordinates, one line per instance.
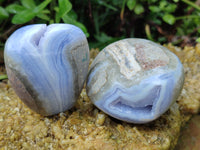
(86, 127)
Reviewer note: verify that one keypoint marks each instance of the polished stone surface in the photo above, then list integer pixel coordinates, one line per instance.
(47, 65)
(135, 80)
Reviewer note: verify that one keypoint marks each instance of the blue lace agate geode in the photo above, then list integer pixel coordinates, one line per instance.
(135, 80)
(47, 65)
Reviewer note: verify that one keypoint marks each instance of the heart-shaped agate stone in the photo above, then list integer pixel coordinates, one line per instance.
(47, 65)
(135, 80)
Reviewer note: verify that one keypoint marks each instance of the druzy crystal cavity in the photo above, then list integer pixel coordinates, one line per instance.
(135, 80)
(47, 65)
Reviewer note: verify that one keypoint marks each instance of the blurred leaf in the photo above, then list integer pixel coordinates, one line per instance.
(148, 32)
(103, 37)
(23, 16)
(14, 8)
(117, 3)
(153, 1)
(139, 9)
(57, 18)
(56, 9)
(162, 4)
(170, 8)
(72, 15)
(41, 6)
(131, 4)
(69, 20)
(28, 14)
(103, 40)
(30, 4)
(46, 11)
(162, 39)
(3, 13)
(192, 4)
(2, 77)
(51, 21)
(198, 40)
(64, 7)
(122, 10)
(168, 18)
(101, 2)
(176, 1)
(154, 9)
(43, 17)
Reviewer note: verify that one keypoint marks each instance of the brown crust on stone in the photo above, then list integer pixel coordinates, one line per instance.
(144, 62)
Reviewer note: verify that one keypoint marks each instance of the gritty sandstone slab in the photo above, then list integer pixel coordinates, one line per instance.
(190, 135)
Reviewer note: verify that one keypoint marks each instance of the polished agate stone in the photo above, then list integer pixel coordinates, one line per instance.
(135, 80)
(47, 65)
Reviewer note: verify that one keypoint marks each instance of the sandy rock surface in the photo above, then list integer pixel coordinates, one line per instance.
(190, 135)
(86, 127)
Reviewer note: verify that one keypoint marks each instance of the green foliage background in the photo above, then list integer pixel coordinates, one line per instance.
(105, 21)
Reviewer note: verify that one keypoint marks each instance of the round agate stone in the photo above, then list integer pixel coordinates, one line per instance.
(135, 80)
(47, 65)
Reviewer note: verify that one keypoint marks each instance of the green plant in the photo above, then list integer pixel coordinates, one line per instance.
(190, 22)
(27, 11)
(15, 14)
(2, 77)
(108, 20)
(171, 19)
(158, 20)
(101, 17)
(198, 40)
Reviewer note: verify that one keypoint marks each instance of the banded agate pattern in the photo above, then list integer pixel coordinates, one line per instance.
(135, 80)
(47, 65)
